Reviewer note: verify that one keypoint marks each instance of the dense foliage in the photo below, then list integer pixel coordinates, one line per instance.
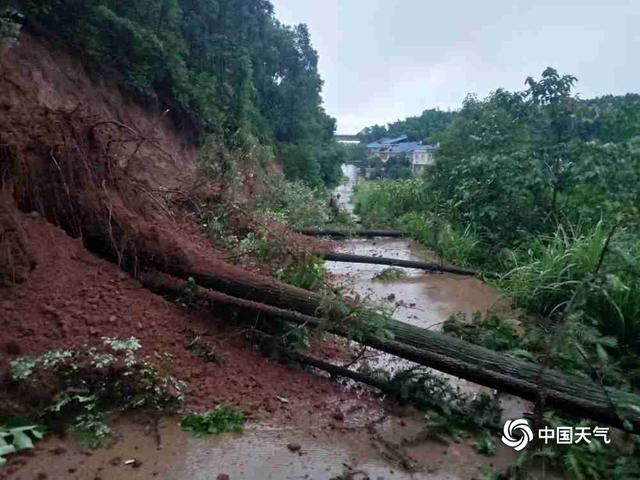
(543, 189)
(224, 67)
(419, 128)
(522, 163)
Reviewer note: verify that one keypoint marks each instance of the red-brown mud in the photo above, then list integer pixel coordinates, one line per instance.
(82, 167)
(72, 298)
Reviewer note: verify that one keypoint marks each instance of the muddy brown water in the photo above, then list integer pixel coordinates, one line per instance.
(385, 444)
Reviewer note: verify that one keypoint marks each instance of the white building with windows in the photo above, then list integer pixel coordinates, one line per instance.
(421, 156)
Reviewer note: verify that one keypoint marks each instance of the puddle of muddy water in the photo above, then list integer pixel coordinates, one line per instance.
(422, 299)
(262, 452)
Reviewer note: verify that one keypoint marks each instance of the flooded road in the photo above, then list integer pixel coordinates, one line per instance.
(422, 299)
(384, 442)
(264, 452)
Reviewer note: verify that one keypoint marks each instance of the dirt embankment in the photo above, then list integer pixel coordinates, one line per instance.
(83, 166)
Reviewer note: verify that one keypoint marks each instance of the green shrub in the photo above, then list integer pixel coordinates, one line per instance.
(461, 247)
(78, 387)
(296, 203)
(308, 273)
(382, 203)
(391, 274)
(221, 419)
(485, 446)
(490, 331)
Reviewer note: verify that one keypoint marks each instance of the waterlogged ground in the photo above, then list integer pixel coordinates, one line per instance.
(377, 440)
(351, 439)
(356, 446)
(423, 299)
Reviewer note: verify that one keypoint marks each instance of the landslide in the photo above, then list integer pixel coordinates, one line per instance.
(94, 188)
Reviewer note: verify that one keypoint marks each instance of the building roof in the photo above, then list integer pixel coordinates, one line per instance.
(403, 147)
(386, 141)
(390, 147)
(426, 148)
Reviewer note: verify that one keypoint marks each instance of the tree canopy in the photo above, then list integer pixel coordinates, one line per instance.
(419, 128)
(226, 68)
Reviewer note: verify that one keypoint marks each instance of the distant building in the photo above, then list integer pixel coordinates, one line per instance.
(422, 156)
(419, 154)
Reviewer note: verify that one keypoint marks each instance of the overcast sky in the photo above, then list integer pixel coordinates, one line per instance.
(384, 60)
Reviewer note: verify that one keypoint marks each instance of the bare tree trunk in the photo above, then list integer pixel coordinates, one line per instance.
(428, 266)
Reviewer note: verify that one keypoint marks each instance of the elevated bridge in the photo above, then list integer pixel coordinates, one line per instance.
(347, 138)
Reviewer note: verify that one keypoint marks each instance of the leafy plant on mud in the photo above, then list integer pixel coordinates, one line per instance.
(450, 413)
(189, 295)
(356, 318)
(221, 419)
(79, 387)
(9, 25)
(391, 274)
(485, 446)
(14, 438)
(307, 272)
(291, 335)
(490, 331)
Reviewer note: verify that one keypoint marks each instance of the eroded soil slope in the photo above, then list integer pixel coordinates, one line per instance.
(94, 188)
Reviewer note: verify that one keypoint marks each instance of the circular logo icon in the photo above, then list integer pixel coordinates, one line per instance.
(523, 434)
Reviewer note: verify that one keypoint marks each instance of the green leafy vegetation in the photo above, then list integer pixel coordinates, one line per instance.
(491, 331)
(14, 438)
(296, 204)
(391, 274)
(356, 318)
(78, 388)
(226, 69)
(485, 446)
(540, 189)
(308, 273)
(9, 25)
(450, 414)
(221, 419)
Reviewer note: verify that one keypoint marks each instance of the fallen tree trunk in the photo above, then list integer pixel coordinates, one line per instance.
(385, 386)
(395, 262)
(332, 232)
(335, 370)
(574, 395)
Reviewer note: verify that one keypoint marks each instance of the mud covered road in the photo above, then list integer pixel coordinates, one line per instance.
(336, 436)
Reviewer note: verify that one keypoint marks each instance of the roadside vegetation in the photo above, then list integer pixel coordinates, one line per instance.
(539, 189)
(221, 419)
(80, 390)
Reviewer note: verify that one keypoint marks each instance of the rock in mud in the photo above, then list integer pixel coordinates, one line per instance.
(294, 447)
